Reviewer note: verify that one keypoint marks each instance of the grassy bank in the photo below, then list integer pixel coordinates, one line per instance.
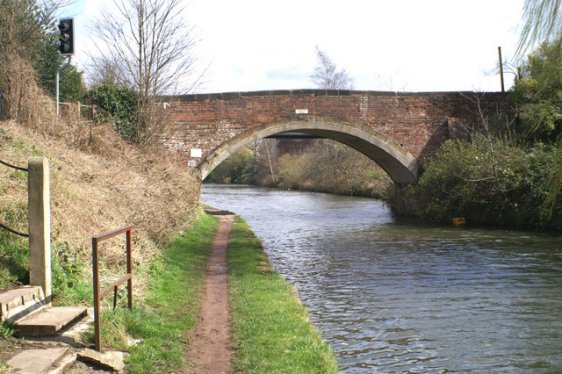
(171, 305)
(270, 327)
(98, 183)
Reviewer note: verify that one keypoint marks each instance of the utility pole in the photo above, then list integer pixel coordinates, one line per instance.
(57, 85)
(501, 68)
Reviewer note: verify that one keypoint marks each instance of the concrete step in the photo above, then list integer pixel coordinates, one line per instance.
(48, 322)
(73, 336)
(19, 302)
(41, 360)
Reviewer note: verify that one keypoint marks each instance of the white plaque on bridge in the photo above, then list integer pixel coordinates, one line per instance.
(191, 163)
(301, 111)
(196, 152)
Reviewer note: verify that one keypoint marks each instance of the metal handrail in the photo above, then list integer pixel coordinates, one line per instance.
(13, 166)
(100, 294)
(12, 231)
(3, 226)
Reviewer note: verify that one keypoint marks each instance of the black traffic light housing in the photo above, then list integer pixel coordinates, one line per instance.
(66, 36)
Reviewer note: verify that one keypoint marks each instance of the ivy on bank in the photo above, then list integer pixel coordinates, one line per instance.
(118, 104)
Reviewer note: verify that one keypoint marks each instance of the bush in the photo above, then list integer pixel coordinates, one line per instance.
(488, 181)
(329, 166)
(120, 105)
(238, 168)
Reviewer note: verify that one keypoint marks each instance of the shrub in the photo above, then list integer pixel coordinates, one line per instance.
(488, 181)
(329, 166)
(118, 104)
(238, 168)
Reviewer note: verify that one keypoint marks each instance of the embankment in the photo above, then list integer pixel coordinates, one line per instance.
(98, 183)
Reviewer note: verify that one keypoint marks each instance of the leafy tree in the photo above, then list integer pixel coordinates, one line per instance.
(538, 98)
(543, 23)
(72, 87)
(327, 76)
(538, 93)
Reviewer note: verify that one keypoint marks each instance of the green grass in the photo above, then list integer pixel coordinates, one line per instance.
(271, 330)
(14, 260)
(171, 306)
(14, 250)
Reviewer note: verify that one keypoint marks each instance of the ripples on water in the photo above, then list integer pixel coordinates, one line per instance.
(398, 297)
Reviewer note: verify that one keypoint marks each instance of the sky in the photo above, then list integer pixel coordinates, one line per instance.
(384, 45)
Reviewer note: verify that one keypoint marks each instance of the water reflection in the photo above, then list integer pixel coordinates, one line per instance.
(401, 297)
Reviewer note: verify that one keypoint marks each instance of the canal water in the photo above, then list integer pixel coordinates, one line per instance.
(392, 296)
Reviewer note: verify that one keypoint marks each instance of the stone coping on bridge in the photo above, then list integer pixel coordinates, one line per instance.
(316, 92)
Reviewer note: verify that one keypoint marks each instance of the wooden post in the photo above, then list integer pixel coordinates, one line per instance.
(39, 224)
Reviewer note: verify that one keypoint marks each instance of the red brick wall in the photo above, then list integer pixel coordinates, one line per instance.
(419, 122)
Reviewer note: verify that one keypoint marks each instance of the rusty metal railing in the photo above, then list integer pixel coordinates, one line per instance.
(100, 294)
(3, 226)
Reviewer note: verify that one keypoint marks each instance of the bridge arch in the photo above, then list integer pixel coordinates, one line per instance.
(399, 164)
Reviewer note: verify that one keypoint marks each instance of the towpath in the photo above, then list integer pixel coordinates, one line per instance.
(210, 345)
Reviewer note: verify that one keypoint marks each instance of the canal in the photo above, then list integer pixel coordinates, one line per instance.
(393, 296)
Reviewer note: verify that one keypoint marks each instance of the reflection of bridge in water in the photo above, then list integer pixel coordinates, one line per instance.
(396, 130)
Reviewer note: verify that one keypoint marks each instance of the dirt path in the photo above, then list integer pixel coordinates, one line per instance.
(210, 346)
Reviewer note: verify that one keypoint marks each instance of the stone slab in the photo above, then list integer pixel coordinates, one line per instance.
(112, 360)
(37, 361)
(63, 364)
(73, 335)
(49, 322)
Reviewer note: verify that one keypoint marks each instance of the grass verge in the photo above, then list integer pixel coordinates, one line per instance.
(171, 306)
(271, 330)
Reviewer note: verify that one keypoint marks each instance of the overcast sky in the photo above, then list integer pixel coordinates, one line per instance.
(398, 45)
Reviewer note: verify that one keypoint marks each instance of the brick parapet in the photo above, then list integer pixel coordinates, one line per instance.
(418, 122)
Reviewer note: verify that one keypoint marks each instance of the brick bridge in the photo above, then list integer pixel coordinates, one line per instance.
(396, 130)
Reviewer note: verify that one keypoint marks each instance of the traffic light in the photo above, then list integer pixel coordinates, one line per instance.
(66, 36)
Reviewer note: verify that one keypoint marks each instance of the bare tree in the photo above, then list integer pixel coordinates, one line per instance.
(149, 46)
(145, 45)
(327, 76)
(103, 70)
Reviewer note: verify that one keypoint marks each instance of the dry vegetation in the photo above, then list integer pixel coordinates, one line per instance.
(98, 182)
(24, 100)
(327, 166)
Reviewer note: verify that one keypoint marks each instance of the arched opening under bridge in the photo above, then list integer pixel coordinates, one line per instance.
(398, 163)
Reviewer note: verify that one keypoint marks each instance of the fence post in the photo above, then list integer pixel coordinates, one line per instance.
(39, 224)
